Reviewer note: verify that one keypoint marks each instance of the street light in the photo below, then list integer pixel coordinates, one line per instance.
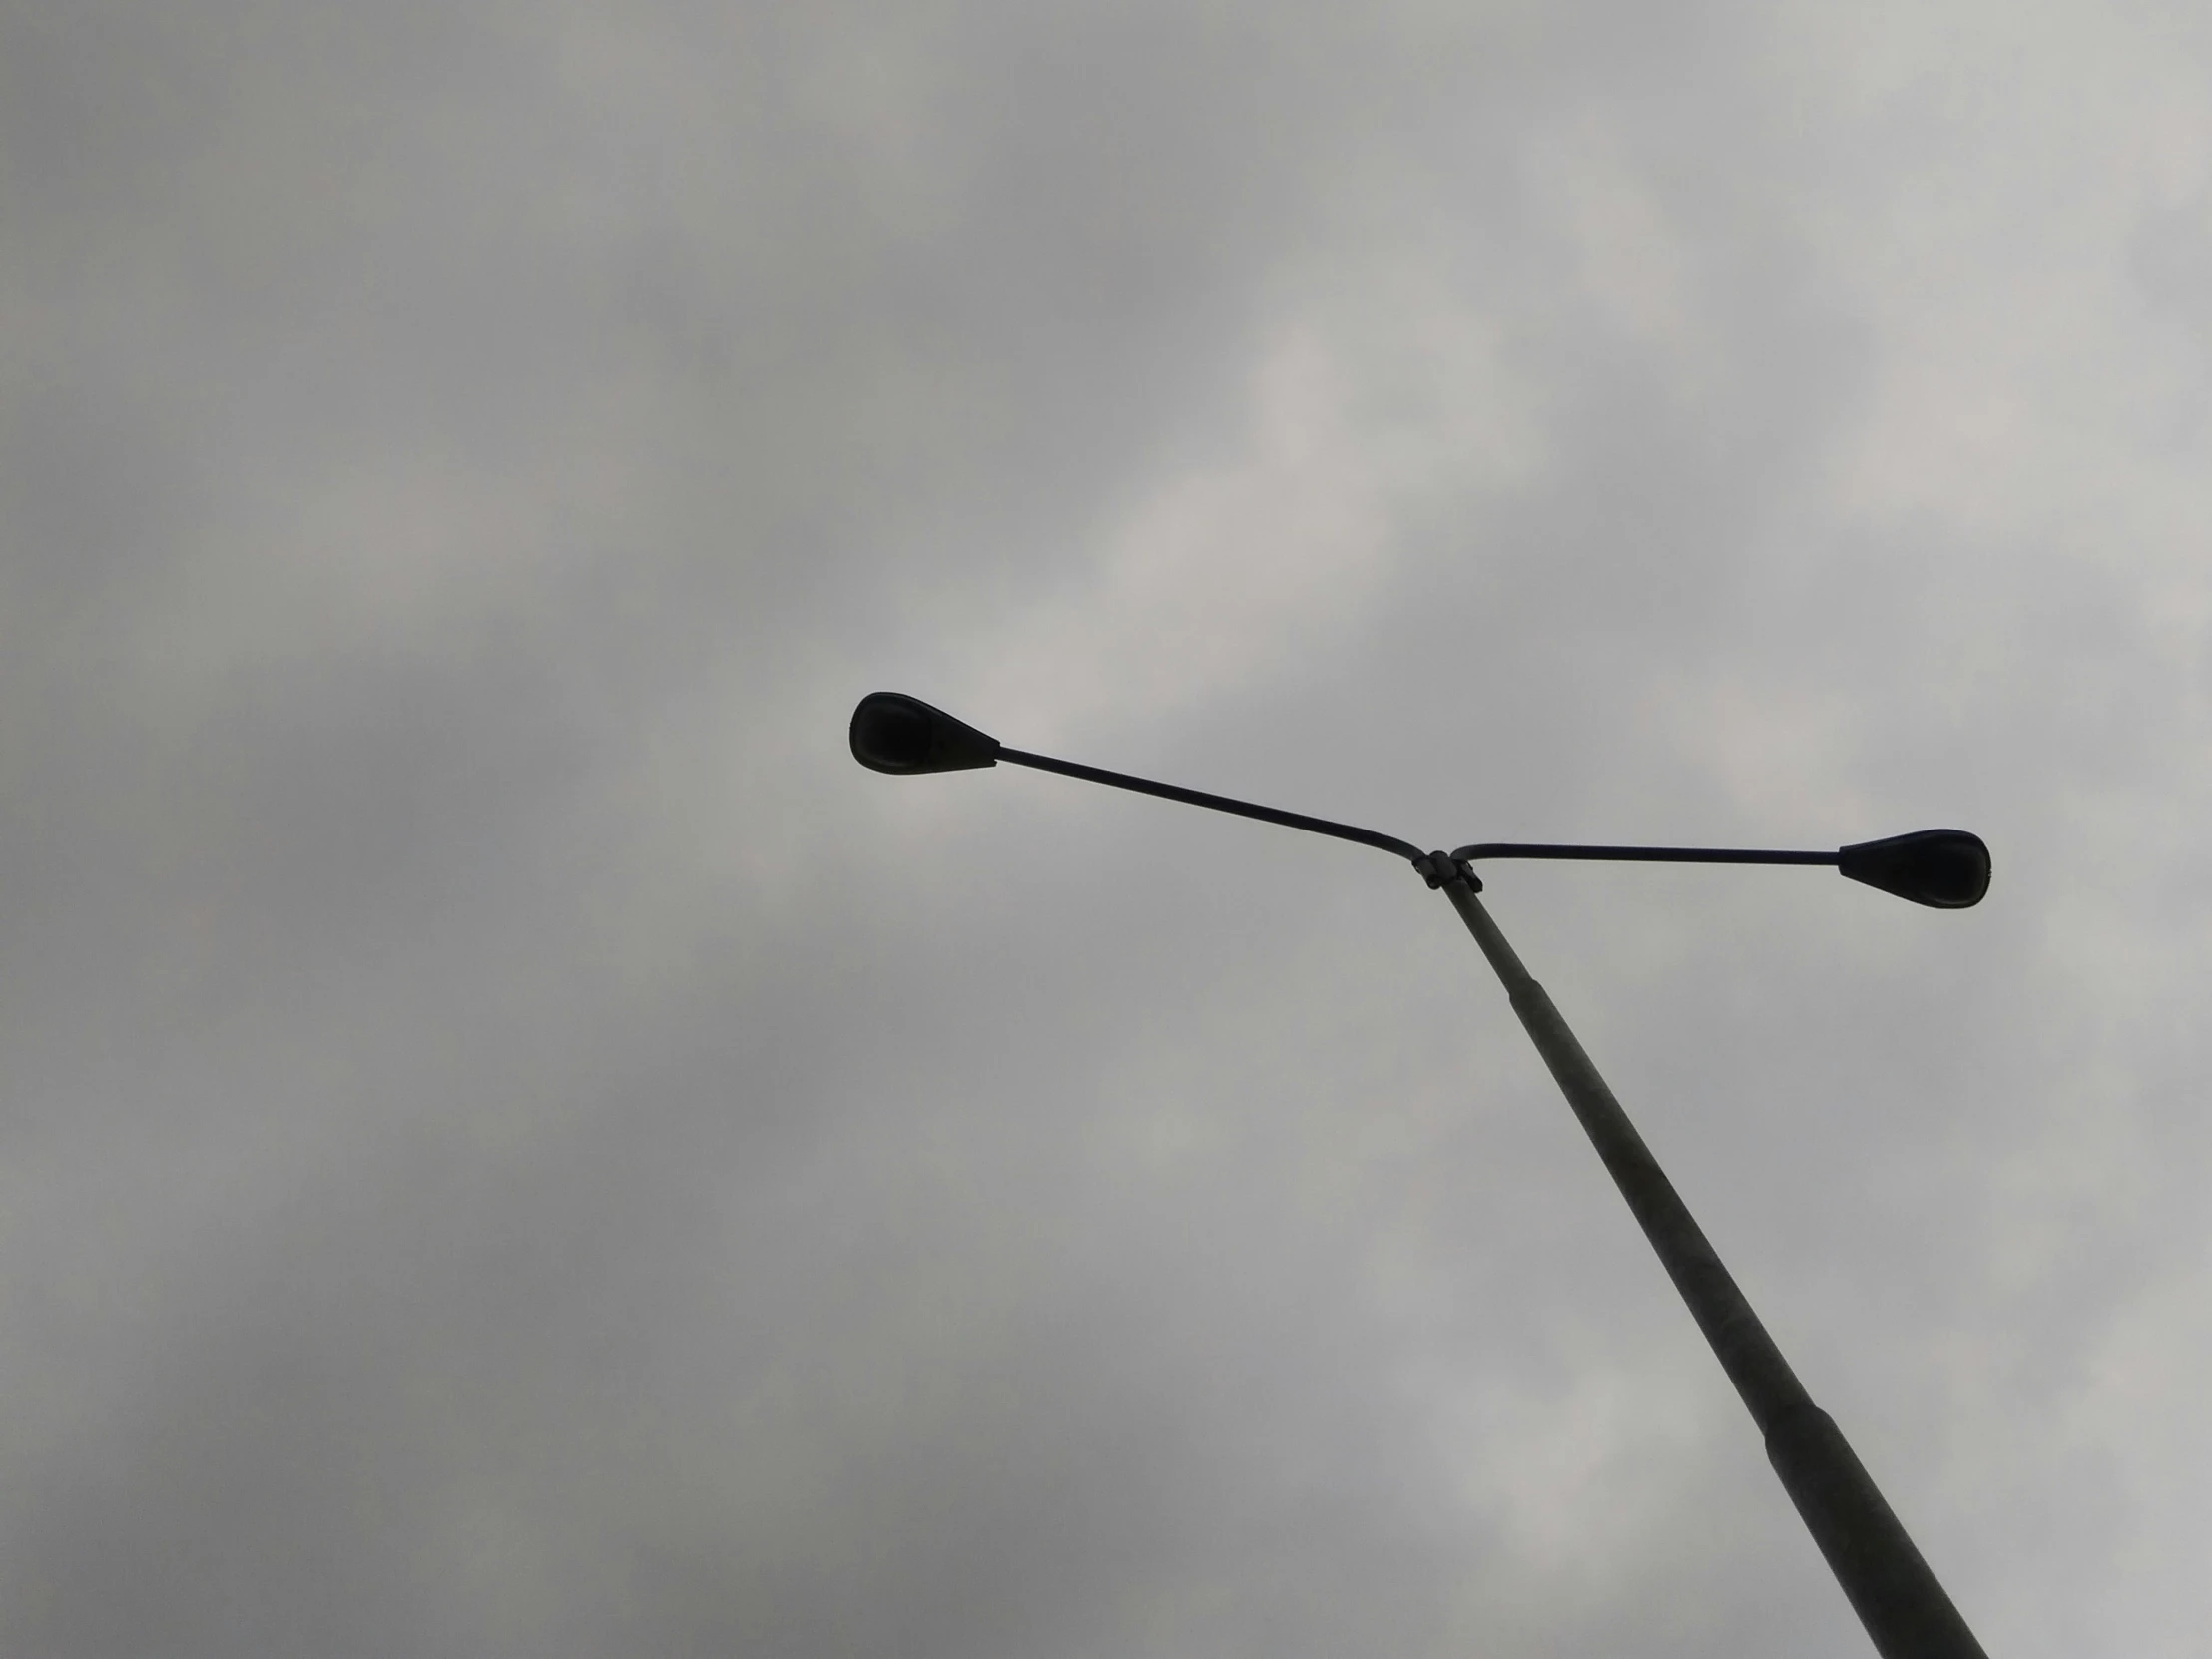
(1896, 1595)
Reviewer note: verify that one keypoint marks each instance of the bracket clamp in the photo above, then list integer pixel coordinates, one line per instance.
(1438, 868)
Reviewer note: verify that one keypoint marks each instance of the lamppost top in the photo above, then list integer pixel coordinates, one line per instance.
(1946, 869)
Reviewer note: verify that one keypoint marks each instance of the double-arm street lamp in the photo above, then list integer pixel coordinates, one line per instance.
(1896, 1595)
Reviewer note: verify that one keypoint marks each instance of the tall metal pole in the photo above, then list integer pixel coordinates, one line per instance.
(1889, 1586)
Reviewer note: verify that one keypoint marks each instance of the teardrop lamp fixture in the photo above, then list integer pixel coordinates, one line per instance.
(1946, 869)
(893, 732)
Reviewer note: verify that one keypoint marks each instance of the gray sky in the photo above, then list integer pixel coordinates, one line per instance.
(512, 1144)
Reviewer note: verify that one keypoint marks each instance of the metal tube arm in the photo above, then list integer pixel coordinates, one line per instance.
(1638, 855)
(1219, 802)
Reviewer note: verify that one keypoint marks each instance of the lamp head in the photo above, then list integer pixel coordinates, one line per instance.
(893, 732)
(1946, 869)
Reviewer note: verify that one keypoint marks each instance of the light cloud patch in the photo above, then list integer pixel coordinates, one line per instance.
(1235, 570)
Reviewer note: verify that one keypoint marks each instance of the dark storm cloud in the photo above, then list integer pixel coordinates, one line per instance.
(514, 1145)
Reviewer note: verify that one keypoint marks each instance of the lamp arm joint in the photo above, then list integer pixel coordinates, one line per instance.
(1438, 868)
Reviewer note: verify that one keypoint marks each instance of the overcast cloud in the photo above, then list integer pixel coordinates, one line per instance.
(512, 1144)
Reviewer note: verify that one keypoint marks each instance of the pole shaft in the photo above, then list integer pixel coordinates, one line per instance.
(1889, 1586)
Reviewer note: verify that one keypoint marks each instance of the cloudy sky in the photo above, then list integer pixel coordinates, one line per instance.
(512, 1144)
